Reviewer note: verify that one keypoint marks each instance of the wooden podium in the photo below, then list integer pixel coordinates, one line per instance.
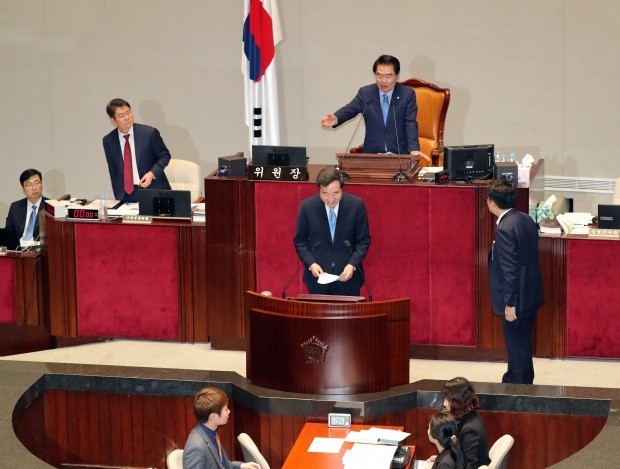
(315, 347)
(377, 165)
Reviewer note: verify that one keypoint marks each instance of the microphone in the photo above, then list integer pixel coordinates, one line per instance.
(315, 246)
(400, 175)
(346, 176)
(347, 244)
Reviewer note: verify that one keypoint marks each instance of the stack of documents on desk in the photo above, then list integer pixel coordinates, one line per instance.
(369, 456)
(198, 212)
(131, 208)
(375, 435)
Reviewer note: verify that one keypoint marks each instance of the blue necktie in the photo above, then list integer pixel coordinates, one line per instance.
(332, 222)
(30, 227)
(385, 107)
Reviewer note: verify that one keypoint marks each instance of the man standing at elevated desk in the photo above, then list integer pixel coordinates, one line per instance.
(23, 214)
(389, 110)
(136, 154)
(515, 281)
(332, 236)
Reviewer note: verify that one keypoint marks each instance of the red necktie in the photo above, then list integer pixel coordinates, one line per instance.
(127, 166)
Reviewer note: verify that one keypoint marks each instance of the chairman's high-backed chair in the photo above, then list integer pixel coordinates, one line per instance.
(433, 102)
(184, 175)
(251, 452)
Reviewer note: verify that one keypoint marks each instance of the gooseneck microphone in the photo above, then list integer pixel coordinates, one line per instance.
(346, 176)
(347, 244)
(400, 175)
(314, 247)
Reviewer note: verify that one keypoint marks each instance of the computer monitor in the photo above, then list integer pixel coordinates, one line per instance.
(9, 239)
(268, 155)
(469, 162)
(165, 203)
(609, 216)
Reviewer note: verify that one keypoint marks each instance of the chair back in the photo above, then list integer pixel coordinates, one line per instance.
(433, 102)
(251, 452)
(616, 199)
(499, 452)
(174, 460)
(184, 175)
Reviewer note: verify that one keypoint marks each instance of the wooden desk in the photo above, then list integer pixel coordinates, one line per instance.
(299, 458)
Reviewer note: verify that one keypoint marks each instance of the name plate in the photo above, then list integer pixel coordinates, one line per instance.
(278, 173)
(83, 213)
(142, 219)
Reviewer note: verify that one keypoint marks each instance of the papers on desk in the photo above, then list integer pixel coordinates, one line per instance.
(326, 445)
(198, 212)
(376, 435)
(368, 457)
(131, 208)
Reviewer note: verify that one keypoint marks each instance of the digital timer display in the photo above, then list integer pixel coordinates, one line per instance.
(82, 213)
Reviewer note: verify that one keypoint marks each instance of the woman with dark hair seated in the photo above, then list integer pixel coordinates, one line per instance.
(461, 401)
(442, 433)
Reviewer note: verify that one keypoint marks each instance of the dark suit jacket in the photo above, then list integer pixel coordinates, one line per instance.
(201, 453)
(151, 155)
(16, 219)
(472, 435)
(444, 460)
(514, 273)
(403, 111)
(351, 225)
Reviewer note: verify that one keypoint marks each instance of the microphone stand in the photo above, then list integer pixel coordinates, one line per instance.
(315, 246)
(347, 244)
(339, 165)
(400, 175)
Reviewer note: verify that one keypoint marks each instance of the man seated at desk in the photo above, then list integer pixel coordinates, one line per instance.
(23, 214)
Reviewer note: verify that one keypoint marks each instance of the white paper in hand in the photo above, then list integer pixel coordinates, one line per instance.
(327, 278)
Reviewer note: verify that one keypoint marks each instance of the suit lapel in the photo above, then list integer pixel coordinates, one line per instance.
(138, 143)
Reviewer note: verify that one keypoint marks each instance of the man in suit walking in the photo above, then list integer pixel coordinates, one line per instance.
(515, 280)
(23, 214)
(136, 154)
(332, 236)
(389, 110)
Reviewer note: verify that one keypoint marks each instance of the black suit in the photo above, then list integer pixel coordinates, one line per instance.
(16, 219)
(351, 225)
(151, 155)
(515, 280)
(402, 112)
(472, 435)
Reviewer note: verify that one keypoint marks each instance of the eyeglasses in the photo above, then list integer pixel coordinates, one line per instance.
(30, 185)
(380, 77)
(120, 115)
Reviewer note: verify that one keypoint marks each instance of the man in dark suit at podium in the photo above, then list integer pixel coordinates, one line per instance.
(136, 154)
(515, 280)
(23, 214)
(389, 110)
(332, 236)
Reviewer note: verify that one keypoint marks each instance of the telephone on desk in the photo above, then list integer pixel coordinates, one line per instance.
(401, 457)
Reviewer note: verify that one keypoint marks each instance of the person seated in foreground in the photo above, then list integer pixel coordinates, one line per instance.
(442, 431)
(462, 402)
(203, 449)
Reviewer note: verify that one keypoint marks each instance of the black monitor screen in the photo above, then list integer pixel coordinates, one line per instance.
(469, 162)
(163, 203)
(9, 239)
(266, 155)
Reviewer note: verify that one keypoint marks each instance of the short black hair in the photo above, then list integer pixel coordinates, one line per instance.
(28, 174)
(387, 60)
(116, 103)
(329, 175)
(503, 193)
